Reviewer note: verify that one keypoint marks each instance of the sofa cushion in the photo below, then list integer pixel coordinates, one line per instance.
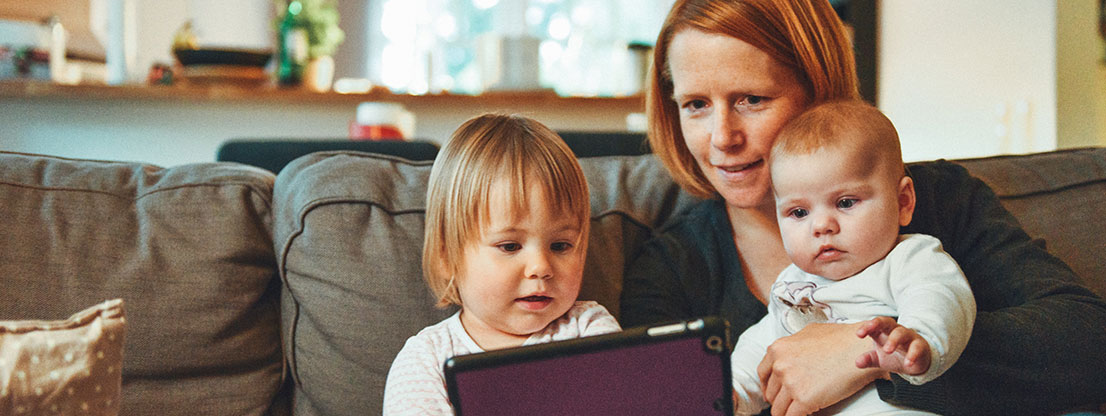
(188, 249)
(348, 231)
(1058, 197)
(63, 366)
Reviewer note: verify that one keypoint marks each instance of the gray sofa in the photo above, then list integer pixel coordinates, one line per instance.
(253, 294)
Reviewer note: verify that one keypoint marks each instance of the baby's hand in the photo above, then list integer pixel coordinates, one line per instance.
(898, 349)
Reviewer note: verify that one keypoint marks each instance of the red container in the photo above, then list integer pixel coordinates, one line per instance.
(358, 131)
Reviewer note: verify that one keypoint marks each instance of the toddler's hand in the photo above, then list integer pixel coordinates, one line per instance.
(898, 349)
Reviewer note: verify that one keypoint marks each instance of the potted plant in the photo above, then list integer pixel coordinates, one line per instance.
(309, 35)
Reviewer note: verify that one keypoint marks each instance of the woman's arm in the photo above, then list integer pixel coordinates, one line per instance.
(1037, 340)
(651, 290)
(692, 269)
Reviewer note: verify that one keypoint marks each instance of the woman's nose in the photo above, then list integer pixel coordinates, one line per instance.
(726, 130)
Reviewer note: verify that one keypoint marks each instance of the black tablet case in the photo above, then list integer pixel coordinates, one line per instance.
(672, 369)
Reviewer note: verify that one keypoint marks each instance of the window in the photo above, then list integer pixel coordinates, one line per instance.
(581, 47)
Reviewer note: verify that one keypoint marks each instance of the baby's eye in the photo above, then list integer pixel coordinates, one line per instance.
(561, 246)
(846, 203)
(797, 213)
(510, 247)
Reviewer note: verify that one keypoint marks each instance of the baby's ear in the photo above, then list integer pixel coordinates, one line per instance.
(906, 201)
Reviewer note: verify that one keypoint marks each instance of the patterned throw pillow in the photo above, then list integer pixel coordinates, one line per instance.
(63, 367)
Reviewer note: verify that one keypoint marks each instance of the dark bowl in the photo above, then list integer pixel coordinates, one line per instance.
(222, 57)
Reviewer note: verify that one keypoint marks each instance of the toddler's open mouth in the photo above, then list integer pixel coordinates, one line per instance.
(535, 298)
(534, 302)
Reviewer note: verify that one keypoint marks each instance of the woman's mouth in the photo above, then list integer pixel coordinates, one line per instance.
(738, 169)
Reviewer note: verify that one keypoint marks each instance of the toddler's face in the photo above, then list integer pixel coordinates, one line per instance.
(522, 273)
(836, 220)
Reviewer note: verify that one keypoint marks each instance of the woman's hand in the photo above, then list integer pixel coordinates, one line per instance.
(815, 368)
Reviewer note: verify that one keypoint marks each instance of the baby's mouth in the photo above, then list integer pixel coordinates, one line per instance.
(828, 253)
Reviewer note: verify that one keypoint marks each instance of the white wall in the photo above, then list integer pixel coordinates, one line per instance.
(969, 78)
(159, 132)
(171, 132)
(1081, 75)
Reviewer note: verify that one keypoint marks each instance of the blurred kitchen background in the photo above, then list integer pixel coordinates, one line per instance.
(959, 79)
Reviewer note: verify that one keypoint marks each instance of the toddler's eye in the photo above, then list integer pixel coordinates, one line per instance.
(797, 213)
(561, 246)
(846, 203)
(510, 247)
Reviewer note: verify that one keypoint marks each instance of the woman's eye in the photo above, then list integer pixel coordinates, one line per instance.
(510, 247)
(561, 246)
(693, 106)
(846, 203)
(751, 101)
(797, 213)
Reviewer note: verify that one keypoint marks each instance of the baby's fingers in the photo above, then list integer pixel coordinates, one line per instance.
(869, 359)
(901, 335)
(917, 357)
(876, 326)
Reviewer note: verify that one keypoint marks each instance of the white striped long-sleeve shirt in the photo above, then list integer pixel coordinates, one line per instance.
(416, 382)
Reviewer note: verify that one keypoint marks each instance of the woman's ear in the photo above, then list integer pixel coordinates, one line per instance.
(906, 200)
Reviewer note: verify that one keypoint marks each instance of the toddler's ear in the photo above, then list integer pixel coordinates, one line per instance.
(906, 201)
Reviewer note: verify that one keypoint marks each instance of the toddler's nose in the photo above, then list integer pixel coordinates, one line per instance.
(538, 267)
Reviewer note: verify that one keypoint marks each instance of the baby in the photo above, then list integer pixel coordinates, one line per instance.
(841, 194)
(507, 220)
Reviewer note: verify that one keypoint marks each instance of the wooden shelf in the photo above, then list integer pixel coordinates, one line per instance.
(24, 89)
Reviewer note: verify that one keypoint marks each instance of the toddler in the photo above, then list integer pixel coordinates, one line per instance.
(507, 217)
(841, 194)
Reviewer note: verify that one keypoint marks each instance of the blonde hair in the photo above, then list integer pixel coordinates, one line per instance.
(804, 35)
(484, 151)
(853, 125)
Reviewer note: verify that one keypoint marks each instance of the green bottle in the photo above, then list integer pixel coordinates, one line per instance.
(292, 38)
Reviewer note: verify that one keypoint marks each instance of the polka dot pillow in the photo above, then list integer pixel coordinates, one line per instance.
(63, 367)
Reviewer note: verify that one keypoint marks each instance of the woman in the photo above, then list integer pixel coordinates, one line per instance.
(727, 76)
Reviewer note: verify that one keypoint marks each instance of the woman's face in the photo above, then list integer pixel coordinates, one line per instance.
(733, 98)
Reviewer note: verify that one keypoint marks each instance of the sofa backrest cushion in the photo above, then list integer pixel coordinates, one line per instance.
(1058, 197)
(189, 249)
(348, 232)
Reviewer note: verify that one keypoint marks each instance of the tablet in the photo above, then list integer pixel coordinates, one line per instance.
(680, 368)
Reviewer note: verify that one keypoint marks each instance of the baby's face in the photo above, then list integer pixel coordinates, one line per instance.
(523, 272)
(837, 216)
